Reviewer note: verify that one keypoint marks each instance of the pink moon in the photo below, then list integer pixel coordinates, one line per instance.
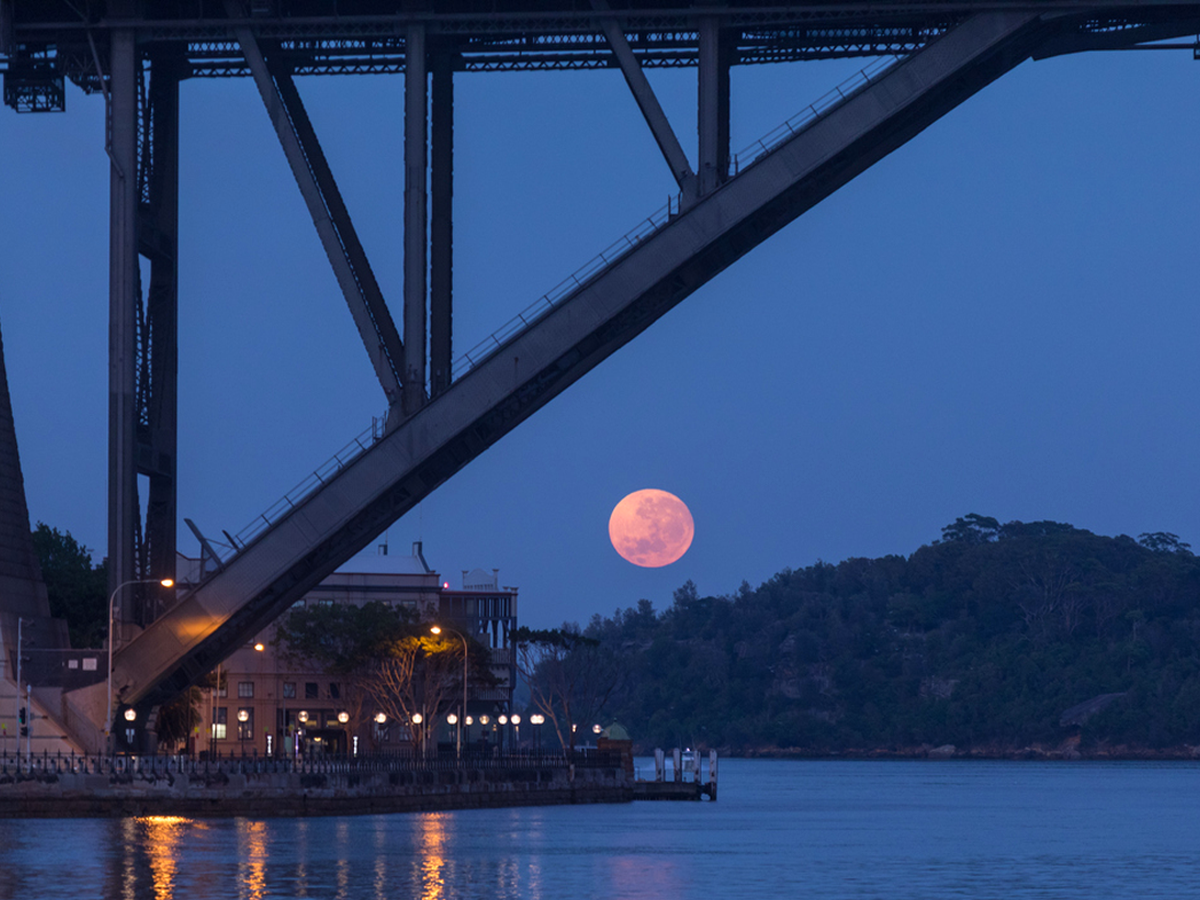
(651, 528)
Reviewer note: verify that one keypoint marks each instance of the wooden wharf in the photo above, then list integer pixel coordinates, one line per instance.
(687, 781)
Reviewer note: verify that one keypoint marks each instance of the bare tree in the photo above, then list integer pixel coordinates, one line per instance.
(416, 682)
(391, 662)
(570, 676)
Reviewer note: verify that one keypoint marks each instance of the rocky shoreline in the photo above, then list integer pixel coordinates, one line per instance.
(1069, 751)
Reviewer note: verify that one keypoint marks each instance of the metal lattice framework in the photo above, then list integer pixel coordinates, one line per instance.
(54, 39)
(135, 53)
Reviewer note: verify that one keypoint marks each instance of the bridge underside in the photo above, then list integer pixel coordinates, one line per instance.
(441, 415)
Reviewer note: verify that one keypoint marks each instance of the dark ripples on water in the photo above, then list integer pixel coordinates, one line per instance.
(781, 829)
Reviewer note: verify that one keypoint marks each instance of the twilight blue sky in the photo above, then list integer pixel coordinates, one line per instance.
(999, 318)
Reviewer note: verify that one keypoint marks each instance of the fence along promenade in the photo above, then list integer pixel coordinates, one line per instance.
(13, 766)
(68, 785)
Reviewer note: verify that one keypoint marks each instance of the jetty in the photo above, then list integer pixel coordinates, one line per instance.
(687, 781)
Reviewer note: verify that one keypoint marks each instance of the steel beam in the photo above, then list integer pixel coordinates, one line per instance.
(416, 141)
(329, 215)
(608, 310)
(712, 121)
(124, 301)
(441, 226)
(652, 111)
(387, 352)
(6, 27)
(158, 239)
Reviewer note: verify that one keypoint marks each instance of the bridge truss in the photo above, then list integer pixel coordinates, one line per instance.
(135, 54)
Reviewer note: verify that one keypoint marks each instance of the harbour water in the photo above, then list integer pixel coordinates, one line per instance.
(825, 829)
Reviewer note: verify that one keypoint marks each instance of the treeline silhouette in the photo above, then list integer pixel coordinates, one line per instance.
(983, 639)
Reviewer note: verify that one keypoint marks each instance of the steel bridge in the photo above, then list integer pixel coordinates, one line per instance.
(928, 57)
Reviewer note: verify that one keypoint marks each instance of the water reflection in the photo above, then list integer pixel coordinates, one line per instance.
(643, 876)
(152, 851)
(380, 867)
(342, 833)
(432, 855)
(252, 857)
(838, 831)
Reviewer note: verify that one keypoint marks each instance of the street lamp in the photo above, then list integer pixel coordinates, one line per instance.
(417, 719)
(302, 718)
(130, 715)
(243, 718)
(437, 629)
(165, 582)
(537, 719)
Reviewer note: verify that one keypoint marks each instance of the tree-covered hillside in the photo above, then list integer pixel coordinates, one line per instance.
(983, 639)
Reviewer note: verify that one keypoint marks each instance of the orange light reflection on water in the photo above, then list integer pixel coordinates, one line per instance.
(162, 840)
(433, 860)
(252, 850)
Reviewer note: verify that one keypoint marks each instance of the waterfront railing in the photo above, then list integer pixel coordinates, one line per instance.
(167, 766)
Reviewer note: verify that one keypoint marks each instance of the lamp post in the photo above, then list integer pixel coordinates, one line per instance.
(302, 718)
(419, 733)
(243, 717)
(437, 629)
(537, 719)
(165, 582)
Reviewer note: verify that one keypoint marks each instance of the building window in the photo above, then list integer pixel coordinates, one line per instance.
(246, 729)
(289, 690)
(310, 691)
(218, 729)
(245, 688)
(335, 691)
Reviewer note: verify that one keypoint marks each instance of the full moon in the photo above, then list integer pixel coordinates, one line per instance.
(651, 528)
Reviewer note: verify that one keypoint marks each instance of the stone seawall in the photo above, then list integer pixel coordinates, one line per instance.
(49, 794)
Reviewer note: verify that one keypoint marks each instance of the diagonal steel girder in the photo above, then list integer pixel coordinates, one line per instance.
(533, 367)
(647, 101)
(329, 214)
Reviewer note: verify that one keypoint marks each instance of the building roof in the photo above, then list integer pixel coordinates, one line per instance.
(371, 563)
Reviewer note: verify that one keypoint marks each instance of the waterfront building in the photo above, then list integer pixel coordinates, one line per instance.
(269, 705)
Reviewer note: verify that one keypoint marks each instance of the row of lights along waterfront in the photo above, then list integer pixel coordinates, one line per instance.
(457, 720)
